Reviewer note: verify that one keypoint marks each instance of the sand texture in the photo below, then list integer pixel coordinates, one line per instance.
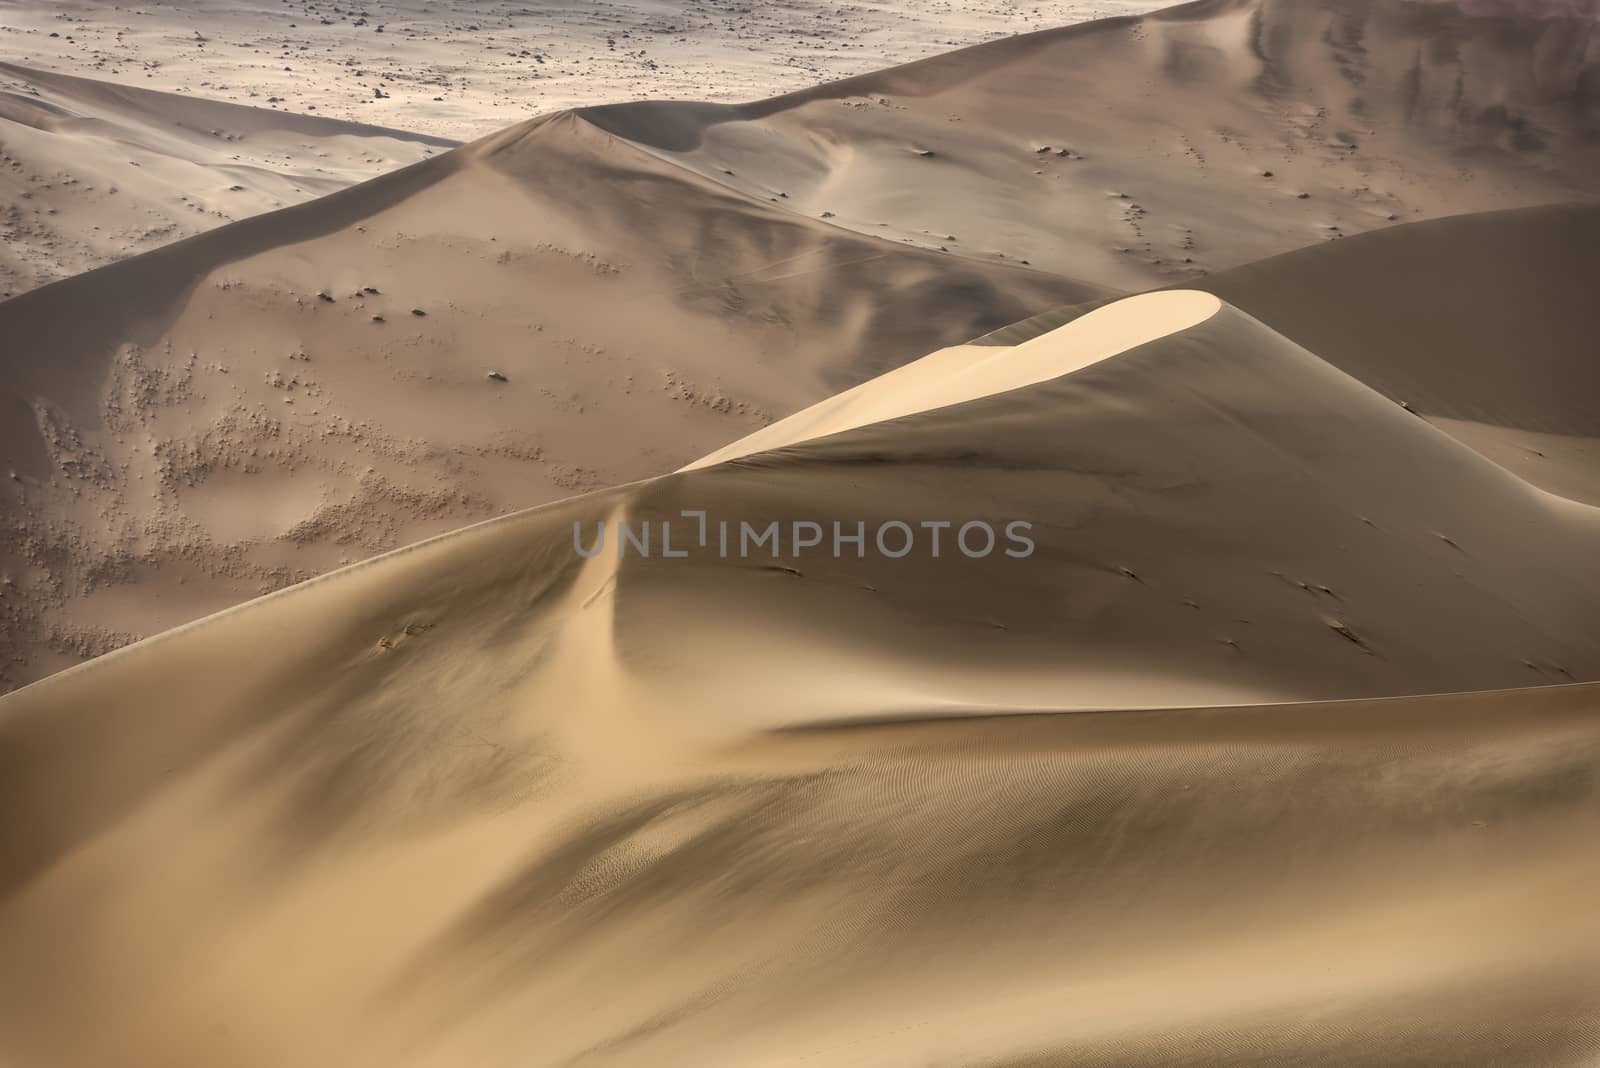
(1075, 552)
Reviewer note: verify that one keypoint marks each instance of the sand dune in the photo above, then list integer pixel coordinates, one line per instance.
(922, 652)
(647, 307)
(92, 172)
(1142, 151)
(917, 656)
(487, 801)
(301, 389)
(1184, 144)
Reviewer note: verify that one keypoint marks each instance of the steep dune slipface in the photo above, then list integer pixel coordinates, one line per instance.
(92, 171)
(1485, 325)
(1146, 151)
(298, 390)
(489, 801)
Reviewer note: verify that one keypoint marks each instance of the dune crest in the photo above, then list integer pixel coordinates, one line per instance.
(964, 372)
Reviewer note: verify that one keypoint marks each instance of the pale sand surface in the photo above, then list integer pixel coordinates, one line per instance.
(92, 172)
(485, 802)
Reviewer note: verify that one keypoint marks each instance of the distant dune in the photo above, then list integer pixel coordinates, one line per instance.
(152, 126)
(148, 152)
(466, 68)
(1144, 151)
(92, 172)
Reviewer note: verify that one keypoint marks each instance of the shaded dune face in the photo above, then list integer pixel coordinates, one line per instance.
(486, 800)
(1421, 314)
